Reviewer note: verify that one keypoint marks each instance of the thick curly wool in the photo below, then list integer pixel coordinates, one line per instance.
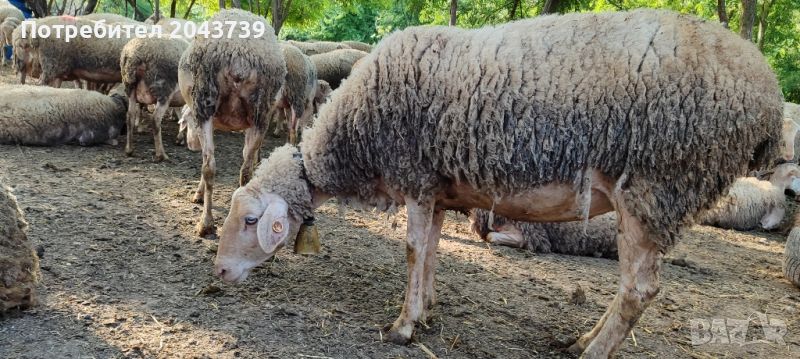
(301, 80)
(282, 174)
(336, 65)
(747, 201)
(207, 57)
(19, 265)
(596, 238)
(154, 61)
(317, 47)
(46, 116)
(511, 108)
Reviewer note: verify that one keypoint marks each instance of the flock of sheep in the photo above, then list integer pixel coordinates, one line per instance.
(531, 121)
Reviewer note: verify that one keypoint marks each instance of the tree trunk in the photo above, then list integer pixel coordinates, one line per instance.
(748, 19)
(38, 7)
(236, 4)
(157, 12)
(723, 16)
(453, 12)
(514, 6)
(278, 14)
(188, 10)
(762, 22)
(172, 7)
(137, 14)
(221, 4)
(550, 6)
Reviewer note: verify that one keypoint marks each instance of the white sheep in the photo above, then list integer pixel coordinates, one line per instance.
(752, 203)
(19, 265)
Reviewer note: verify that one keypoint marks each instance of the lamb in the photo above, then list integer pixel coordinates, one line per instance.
(317, 47)
(358, 45)
(295, 101)
(538, 121)
(46, 116)
(791, 254)
(336, 65)
(752, 203)
(6, 33)
(230, 85)
(597, 238)
(19, 265)
(150, 74)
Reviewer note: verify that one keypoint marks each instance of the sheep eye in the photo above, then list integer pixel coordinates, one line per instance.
(249, 220)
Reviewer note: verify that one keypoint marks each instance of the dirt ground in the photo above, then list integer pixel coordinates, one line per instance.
(124, 276)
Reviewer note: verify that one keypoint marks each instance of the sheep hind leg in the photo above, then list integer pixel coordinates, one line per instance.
(420, 226)
(253, 138)
(429, 296)
(292, 116)
(206, 133)
(640, 264)
(158, 115)
(132, 117)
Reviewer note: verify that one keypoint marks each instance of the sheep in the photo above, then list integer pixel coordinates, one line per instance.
(358, 45)
(109, 18)
(538, 121)
(596, 238)
(46, 116)
(791, 113)
(295, 101)
(7, 11)
(321, 95)
(94, 59)
(317, 47)
(6, 33)
(791, 254)
(752, 203)
(788, 137)
(229, 84)
(19, 265)
(336, 65)
(150, 75)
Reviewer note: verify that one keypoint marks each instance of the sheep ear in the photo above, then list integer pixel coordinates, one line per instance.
(273, 227)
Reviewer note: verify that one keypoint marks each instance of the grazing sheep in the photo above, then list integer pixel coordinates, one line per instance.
(7, 33)
(537, 120)
(46, 116)
(321, 95)
(25, 60)
(335, 66)
(317, 47)
(150, 74)
(358, 45)
(791, 254)
(294, 106)
(752, 203)
(230, 85)
(94, 59)
(597, 238)
(19, 265)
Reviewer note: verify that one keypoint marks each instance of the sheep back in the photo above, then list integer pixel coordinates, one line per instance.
(154, 61)
(301, 79)
(511, 108)
(335, 66)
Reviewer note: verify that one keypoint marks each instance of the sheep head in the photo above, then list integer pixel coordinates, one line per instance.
(788, 134)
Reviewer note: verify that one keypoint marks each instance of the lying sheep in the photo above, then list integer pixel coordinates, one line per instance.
(597, 238)
(317, 47)
(229, 84)
(46, 116)
(294, 106)
(150, 74)
(791, 254)
(7, 33)
(336, 65)
(19, 265)
(532, 119)
(752, 203)
(358, 45)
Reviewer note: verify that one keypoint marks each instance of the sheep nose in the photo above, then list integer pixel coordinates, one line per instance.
(220, 272)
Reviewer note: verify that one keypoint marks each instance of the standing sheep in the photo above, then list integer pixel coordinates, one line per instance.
(150, 74)
(7, 32)
(752, 203)
(25, 61)
(229, 84)
(336, 65)
(791, 114)
(597, 238)
(537, 120)
(19, 265)
(791, 254)
(10, 11)
(46, 116)
(321, 95)
(317, 47)
(295, 101)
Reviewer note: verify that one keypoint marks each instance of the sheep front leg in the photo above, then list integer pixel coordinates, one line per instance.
(131, 119)
(158, 115)
(640, 264)
(253, 138)
(292, 125)
(420, 224)
(434, 234)
(206, 135)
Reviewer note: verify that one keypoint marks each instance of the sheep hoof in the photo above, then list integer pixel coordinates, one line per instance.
(576, 348)
(391, 335)
(206, 231)
(197, 198)
(129, 152)
(160, 158)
